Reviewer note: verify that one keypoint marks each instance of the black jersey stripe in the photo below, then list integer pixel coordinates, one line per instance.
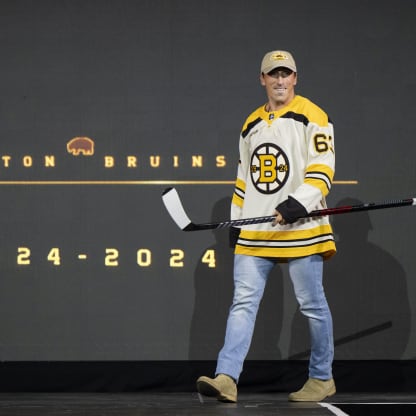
(326, 236)
(297, 117)
(318, 173)
(300, 117)
(320, 176)
(281, 245)
(250, 125)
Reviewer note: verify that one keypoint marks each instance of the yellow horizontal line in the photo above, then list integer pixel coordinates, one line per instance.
(352, 182)
(166, 182)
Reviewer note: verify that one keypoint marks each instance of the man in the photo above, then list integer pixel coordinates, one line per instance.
(286, 168)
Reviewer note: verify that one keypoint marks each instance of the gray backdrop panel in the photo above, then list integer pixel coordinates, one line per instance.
(165, 81)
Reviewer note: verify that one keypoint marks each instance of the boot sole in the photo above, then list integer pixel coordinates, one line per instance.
(209, 390)
(329, 394)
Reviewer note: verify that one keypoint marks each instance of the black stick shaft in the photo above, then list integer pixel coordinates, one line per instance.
(316, 213)
(362, 207)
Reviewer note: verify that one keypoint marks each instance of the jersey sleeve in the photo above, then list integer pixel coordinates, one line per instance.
(237, 201)
(320, 168)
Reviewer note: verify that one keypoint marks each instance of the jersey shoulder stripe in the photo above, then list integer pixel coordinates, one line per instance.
(312, 112)
(300, 109)
(249, 125)
(301, 118)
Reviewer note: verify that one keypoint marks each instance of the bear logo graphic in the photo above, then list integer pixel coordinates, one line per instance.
(80, 146)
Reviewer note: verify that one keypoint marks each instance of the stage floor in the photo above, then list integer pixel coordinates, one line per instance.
(192, 404)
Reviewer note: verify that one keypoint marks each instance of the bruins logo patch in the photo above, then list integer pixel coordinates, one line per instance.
(269, 168)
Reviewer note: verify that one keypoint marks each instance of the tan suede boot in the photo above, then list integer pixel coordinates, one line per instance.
(314, 390)
(222, 387)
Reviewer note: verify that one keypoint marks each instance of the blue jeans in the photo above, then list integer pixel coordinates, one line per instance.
(250, 277)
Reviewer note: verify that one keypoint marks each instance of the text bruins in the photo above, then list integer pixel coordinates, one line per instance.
(111, 161)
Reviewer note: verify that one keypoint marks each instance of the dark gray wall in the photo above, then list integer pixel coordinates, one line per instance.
(177, 78)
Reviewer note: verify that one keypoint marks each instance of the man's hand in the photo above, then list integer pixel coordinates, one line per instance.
(279, 219)
(289, 211)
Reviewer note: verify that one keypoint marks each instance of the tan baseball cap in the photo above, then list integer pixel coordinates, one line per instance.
(276, 59)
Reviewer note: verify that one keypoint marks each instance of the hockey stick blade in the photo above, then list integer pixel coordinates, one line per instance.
(174, 206)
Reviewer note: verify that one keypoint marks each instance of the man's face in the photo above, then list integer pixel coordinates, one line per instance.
(280, 86)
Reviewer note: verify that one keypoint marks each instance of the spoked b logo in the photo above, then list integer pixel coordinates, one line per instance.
(269, 168)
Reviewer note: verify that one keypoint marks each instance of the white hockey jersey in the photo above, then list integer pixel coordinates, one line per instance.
(284, 153)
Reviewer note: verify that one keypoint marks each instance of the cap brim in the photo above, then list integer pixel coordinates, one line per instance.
(268, 69)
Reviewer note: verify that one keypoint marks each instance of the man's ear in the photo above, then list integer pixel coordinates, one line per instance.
(262, 82)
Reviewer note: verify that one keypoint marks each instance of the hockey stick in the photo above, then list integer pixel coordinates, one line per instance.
(174, 206)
